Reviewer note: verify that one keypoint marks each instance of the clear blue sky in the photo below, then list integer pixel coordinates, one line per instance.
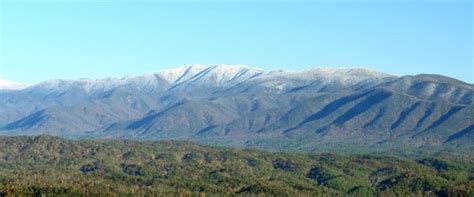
(42, 40)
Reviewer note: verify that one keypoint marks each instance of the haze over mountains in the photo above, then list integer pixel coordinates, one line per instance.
(244, 106)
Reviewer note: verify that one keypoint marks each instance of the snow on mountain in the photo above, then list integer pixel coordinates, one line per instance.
(324, 78)
(341, 75)
(180, 74)
(220, 76)
(10, 85)
(215, 75)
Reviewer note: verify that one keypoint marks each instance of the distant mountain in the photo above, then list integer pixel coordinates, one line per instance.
(236, 105)
(10, 85)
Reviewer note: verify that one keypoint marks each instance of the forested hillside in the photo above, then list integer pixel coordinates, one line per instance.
(51, 165)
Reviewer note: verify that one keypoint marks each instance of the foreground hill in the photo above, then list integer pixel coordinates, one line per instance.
(51, 165)
(247, 107)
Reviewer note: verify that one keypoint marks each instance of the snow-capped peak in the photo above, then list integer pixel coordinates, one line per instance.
(10, 85)
(209, 75)
(180, 74)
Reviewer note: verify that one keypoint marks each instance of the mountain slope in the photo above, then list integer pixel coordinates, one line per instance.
(433, 87)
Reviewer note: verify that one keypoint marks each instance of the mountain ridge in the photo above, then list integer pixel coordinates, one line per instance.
(178, 75)
(248, 107)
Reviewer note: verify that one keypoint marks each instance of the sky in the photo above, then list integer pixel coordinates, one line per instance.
(42, 40)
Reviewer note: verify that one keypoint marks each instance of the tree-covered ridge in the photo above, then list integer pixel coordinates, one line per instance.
(43, 164)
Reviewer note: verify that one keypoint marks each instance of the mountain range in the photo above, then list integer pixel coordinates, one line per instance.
(235, 105)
